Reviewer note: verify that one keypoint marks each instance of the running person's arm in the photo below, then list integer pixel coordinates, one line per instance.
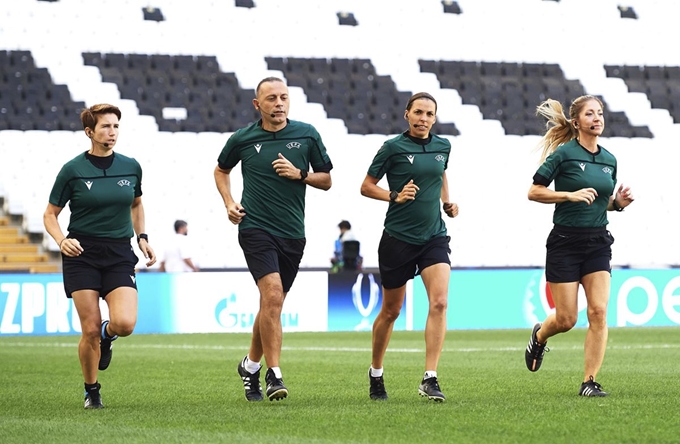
(139, 225)
(450, 208)
(235, 211)
(541, 193)
(69, 246)
(370, 188)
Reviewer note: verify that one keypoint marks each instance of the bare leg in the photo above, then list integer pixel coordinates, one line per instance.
(269, 319)
(392, 301)
(597, 287)
(436, 280)
(87, 306)
(122, 304)
(565, 296)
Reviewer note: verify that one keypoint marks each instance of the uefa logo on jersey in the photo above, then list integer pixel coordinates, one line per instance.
(295, 145)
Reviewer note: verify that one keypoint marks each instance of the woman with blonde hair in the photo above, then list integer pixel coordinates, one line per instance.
(579, 245)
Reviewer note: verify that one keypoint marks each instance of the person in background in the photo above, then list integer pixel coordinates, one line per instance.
(414, 241)
(275, 154)
(178, 254)
(346, 234)
(579, 245)
(104, 191)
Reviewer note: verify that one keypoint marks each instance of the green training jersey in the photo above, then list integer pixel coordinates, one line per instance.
(99, 199)
(573, 167)
(273, 203)
(404, 158)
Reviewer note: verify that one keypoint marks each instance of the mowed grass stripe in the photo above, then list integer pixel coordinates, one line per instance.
(184, 388)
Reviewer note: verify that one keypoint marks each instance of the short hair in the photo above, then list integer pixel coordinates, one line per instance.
(345, 224)
(420, 95)
(90, 116)
(179, 224)
(267, 80)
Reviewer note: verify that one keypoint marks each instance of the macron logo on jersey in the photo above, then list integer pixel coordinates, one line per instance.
(258, 146)
(89, 184)
(583, 166)
(133, 279)
(410, 158)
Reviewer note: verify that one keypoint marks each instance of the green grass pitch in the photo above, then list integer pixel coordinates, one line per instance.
(184, 389)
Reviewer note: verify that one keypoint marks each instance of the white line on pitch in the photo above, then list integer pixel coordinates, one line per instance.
(335, 349)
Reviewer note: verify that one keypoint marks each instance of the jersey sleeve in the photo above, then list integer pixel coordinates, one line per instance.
(318, 157)
(138, 187)
(229, 157)
(380, 163)
(61, 190)
(547, 172)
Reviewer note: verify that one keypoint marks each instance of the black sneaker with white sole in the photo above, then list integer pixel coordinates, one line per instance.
(93, 399)
(533, 355)
(376, 389)
(430, 388)
(275, 388)
(251, 383)
(105, 348)
(592, 388)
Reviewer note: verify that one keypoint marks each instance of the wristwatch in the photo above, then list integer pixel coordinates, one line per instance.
(393, 196)
(143, 236)
(303, 174)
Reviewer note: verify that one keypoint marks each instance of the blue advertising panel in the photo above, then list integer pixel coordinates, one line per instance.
(481, 299)
(354, 300)
(36, 304)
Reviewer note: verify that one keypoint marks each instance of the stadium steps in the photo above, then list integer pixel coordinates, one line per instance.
(19, 254)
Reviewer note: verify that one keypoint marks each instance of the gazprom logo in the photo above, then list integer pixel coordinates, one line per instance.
(238, 315)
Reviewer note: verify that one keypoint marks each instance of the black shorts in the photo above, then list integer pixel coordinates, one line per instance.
(266, 253)
(575, 252)
(104, 265)
(400, 261)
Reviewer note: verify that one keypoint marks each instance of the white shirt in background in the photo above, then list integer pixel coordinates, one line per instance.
(178, 249)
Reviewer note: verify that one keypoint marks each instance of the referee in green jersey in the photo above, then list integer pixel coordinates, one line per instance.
(104, 192)
(414, 240)
(579, 245)
(275, 155)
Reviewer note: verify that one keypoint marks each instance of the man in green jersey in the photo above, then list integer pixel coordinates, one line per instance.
(104, 192)
(275, 155)
(579, 246)
(415, 240)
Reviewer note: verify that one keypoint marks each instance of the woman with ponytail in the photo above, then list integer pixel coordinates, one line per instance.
(579, 245)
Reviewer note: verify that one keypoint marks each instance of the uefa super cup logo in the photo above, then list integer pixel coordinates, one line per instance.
(358, 300)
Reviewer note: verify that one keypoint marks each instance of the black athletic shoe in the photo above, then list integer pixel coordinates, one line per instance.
(93, 399)
(105, 348)
(592, 388)
(377, 390)
(430, 388)
(275, 388)
(535, 351)
(251, 383)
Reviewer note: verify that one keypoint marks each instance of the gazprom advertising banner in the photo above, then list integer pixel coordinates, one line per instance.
(168, 303)
(346, 301)
(520, 298)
